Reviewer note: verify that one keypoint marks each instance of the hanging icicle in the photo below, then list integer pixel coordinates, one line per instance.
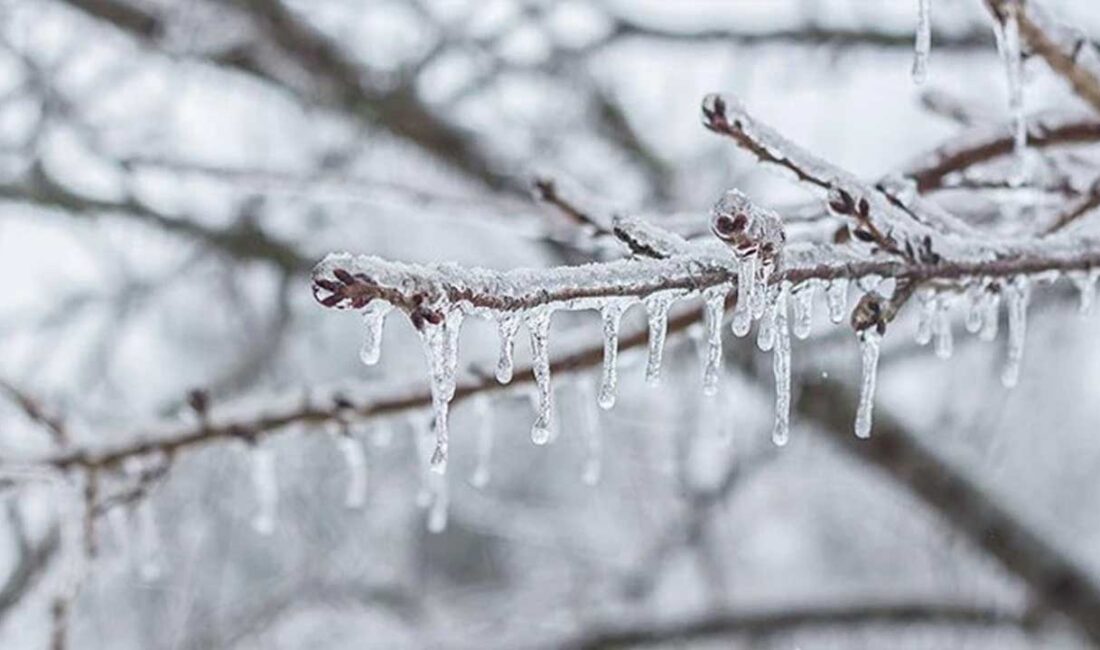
(925, 316)
(441, 349)
(991, 315)
(1007, 30)
(612, 315)
(781, 364)
(870, 341)
(538, 323)
(657, 306)
(836, 297)
(803, 298)
(507, 326)
(923, 46)
(941, 328)
(714, 300)
(1085, 281)
(1017, 293)
(374, 317)
(765, 333)
(746, 284)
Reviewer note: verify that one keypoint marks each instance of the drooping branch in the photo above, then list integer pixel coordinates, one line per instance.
(791, 619)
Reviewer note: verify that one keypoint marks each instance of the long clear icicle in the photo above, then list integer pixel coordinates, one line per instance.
(941, 326)
(1008, 43)
(1017, 293)
(657, 306)
(870, 341)
(612, 316)
(483, 416)
(507, 326)
(923, 45)
(765, 333)
(781, 364)
(593, 462)
(836, 297)
(355, 459)
(746, 283)
(441, 349)
(374, 317)
(803, 298)
(538, 323)
(714, 300)
(1085, 281)
(267, 490)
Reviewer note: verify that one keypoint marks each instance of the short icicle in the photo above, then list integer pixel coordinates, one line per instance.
(941, 327)
(538, 323)
(991, 315)
(714, 300)
(836, 297)
(1017, 293)
(267, 489)
(355, 459)
(781, 364)
(923, 45)
(483, 415)
(746, 283)
(1085, 281)
(803, 307)
(507, 326)
(870, 341)
(374, 317)
(975, 297)
(612, 315)
(657, 306)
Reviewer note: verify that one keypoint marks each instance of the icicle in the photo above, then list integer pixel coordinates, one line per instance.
(746, 284)
(267, 490)
(612, 315)
(355, 459)
(507, 326)
(538, 323)
(657, 309)
(975, 300)
(765, 333)
(374, 317)
(441, 349)
(593, 463)
(1008, 43)
(925, 317)
(1085, 281)
(781, 364)
(759, 302)
(870, 340)
(483, 415)
(836, 295)
(441, 500)
(803, 296)
(714, 301)
(923, 45)
(150, 561)
(991, 316)
(941, 327)
(1017, 293)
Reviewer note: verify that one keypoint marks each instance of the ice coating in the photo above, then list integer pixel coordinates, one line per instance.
(756, 237)
(870, 342)
(538, 324)
(975, 297)
(781, 365)
(713, 305)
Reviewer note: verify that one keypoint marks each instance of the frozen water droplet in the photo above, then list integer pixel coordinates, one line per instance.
(870, 341)
(941, 326)
(836, 296)
(657, 306)
(355, 459)
(507, 326)
(267, 490)
(714, 300)
(925, 316)
(781, 364)
(483, 415)
(923, 45)
(1085, 281)
(538, 323)
(374, 317)
(1017, 293)
(803, 297)
(612, 314)
(746, 284)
